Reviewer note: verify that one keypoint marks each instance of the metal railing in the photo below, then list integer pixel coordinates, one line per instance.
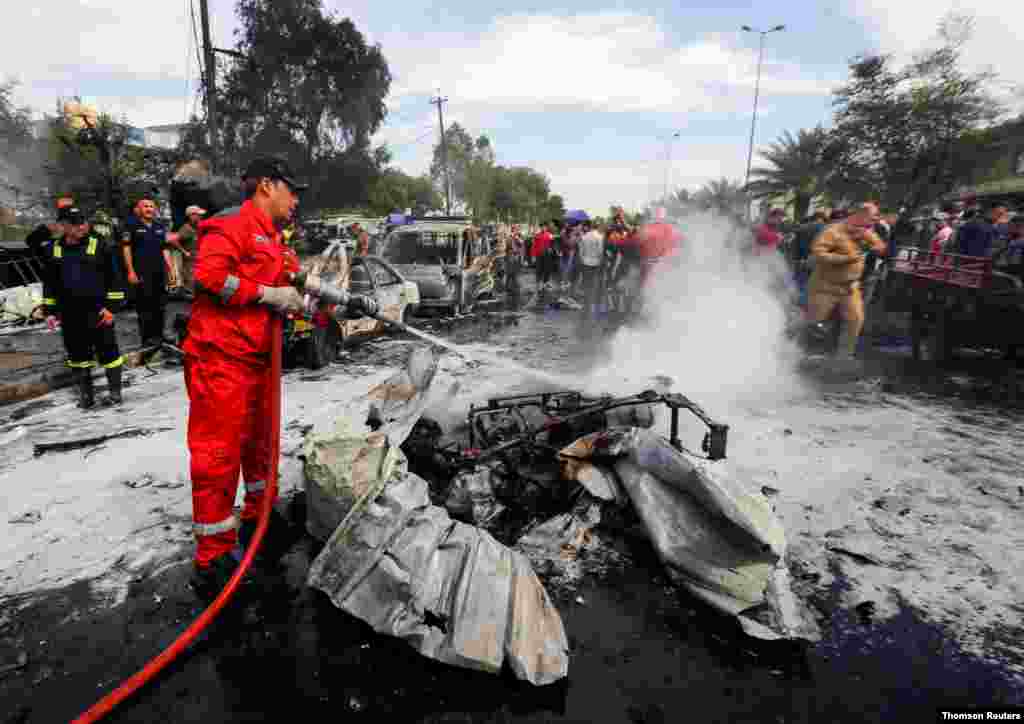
(20, 272)
(957, 269)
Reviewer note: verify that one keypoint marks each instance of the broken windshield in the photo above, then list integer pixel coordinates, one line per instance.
(421, 247)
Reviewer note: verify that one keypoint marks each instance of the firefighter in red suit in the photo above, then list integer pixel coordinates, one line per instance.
(242, 276)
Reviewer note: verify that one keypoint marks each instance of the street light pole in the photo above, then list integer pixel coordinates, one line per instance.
(668, 162)
(757, 95)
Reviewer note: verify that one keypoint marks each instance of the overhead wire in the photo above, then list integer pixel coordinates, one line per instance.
(197, 45)
(418, 139)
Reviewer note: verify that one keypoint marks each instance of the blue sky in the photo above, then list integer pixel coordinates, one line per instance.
(587, 92)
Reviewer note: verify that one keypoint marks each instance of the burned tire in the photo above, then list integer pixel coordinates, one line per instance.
(322, 348)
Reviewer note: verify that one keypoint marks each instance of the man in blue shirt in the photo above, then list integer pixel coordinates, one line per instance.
(144, 247)
(977, 236)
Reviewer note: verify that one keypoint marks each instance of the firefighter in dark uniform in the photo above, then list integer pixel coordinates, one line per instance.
(144, 247)
(41, 240)
(83, 288)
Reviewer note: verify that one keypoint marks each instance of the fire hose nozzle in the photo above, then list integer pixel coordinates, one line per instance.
(329, 293)
(315, 287)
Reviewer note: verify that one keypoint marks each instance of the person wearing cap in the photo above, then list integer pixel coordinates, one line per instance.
(242, 276)
(82, 287)
(42, 238)
(147, 262)
(183, 247)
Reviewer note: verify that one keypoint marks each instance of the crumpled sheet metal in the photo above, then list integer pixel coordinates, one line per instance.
(597, 479)
(345, 459)
(397, 558)
(471, 497)
(717, 540)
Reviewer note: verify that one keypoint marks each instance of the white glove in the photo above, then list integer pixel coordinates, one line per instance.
(282, 299)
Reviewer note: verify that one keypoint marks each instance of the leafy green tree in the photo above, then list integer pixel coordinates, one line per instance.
(722, 196)
(907, 135)
(311, 90)
(470, 163)
(22, 180)
(394, 190)
(798, 169)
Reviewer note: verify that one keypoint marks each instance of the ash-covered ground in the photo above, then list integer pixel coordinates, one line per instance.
(899, 492)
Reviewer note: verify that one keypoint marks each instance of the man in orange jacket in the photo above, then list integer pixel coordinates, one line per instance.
(242, 276)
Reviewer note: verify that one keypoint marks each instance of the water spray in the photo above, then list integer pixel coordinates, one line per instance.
(328, 293)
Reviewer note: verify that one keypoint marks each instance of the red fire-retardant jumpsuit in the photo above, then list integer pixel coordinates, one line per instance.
(227, 371)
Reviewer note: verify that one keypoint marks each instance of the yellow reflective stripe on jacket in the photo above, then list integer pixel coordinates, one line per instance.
(50, 302)
(116, 363)
(91, 249)
(58, 252)
(115, 296)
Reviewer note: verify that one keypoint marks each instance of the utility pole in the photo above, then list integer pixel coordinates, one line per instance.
(439, 101)
(757, 94)
(211, 82)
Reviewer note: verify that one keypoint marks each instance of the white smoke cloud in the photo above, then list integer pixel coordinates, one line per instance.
(715, 324)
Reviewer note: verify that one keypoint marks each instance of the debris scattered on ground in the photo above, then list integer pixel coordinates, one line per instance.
(32, 516)
(64, 444)
(19, 663)
(540, 472)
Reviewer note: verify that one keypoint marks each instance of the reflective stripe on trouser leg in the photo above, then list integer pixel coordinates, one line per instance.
(107, 351)
(256, 444)
(221, 526)
(215, 385)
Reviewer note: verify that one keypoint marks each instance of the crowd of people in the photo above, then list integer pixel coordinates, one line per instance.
(604, 264)
(991, 232)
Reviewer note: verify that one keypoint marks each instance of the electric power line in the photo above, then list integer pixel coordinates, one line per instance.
(407, 115)
(197, 45)
(413, 142)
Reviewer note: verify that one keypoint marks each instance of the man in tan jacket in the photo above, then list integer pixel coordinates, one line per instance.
(838, 254)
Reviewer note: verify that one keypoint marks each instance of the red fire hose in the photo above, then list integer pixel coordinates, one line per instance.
(105, 705)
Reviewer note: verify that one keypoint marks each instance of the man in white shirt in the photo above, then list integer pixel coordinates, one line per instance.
(590, 256)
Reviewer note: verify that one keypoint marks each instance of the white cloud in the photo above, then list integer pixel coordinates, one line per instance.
(608, 62)
(105, 50)
(596, 185)
(596, 63)
(903, 28)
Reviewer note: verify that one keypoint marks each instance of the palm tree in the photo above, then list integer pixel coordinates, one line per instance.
(799, 170)
(723, 196)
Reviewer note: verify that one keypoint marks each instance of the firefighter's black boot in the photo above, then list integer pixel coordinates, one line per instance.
(86, 396)
(207, 582)
(277, 541)
(113, 386)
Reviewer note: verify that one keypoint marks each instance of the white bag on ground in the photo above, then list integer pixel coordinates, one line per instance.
(17, 303)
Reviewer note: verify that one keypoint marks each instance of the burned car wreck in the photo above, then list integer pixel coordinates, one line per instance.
(437, 537)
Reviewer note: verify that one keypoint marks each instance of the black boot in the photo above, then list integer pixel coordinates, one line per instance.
(113, 386)
(86, 396)
(207, 582)
(278, 540)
